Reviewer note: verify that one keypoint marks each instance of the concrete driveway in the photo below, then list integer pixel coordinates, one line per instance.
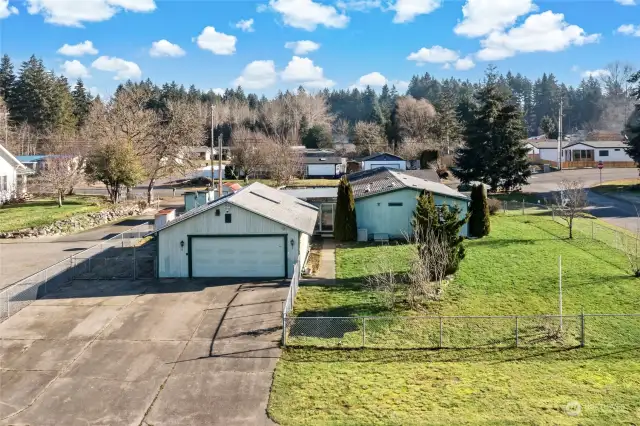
(162, 352)
(20, 258)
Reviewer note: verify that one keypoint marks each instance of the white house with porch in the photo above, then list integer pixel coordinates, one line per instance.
(13, 176)
(595, 151)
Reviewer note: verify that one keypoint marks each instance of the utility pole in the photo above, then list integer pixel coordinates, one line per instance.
(560, 135)
(211, 153)
(220, 166)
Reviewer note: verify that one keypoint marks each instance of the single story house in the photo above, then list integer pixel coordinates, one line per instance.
(324, 198)
(257, 232)
(13, 176)
(611, 153)
(544, 150)
(198, 152)
(386, 200)
(324, 167)
(383, 160)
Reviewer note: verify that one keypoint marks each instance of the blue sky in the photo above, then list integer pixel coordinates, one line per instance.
(360, 41)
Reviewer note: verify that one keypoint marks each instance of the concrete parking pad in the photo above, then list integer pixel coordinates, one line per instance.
(168, 352)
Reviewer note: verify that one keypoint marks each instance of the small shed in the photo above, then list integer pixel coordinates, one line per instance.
(193, 199)
(257, 232)
(383, 159)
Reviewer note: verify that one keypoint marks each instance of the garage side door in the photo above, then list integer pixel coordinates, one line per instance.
(251, 256)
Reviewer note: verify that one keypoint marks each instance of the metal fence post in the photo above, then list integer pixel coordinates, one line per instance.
(440, 344)
(582, 329)
(517, 337)
(284, 326)
(364, 331)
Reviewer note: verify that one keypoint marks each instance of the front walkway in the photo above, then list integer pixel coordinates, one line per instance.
(326, 274)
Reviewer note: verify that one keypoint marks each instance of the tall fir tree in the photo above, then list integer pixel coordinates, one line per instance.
(81, 103)
(632, 127)
(33, 95)
(63, 119)
(493, 152)
(345, 226)
(7, 81)
(448, 125)
(479, 221)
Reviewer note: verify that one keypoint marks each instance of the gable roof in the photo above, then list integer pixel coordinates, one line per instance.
(264, 201)
(547, 144)
(382, 180)
(383, 156)
(600, 144)
(4, 152)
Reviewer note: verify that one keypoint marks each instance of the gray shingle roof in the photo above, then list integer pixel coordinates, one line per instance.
(600, 144)
(322, 160)
(381, 180)
(265, 201)
(384, 155)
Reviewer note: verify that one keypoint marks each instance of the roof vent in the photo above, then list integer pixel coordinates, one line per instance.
(323, 159)
(368, 188)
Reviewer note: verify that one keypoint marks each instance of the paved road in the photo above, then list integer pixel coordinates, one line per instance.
(615, 211)
(20, 258)
(168, 352)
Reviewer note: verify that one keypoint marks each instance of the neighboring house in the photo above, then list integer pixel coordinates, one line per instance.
(386, 200)
(197, 152)
(324, 198)
(589, 153)
(256, 232)
(193, 199)
(13, 176)
(37, 163)
(545, 150)
(383, 160)
(324, 167)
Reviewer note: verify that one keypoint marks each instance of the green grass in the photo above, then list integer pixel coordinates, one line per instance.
(513, 271)
(43, 212)
(518, 196)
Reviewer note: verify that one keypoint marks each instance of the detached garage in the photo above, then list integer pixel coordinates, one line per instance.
(257, 232)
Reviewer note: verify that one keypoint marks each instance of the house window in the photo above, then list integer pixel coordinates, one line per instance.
(3, 183)
(395, 204)
(582, 154)
(604, 153)
(227, 218)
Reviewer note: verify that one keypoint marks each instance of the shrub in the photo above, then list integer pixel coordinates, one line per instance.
(479, 222)
(494, 206)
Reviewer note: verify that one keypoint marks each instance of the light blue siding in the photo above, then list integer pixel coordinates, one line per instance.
(378, 217)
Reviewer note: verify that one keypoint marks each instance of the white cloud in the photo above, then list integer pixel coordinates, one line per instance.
(307, 14)
(544, 32)
(74, 13)
(84, 48)
(257, 75)
(302, 47)
(626, 2)
(481, 17)
(446, 66)
(596, 73)
(401, 85)
(218, 43)
(374, 79)
(464, 64)
(434, 55)
(407, 10)
(123, 69)
(218, 91)
(74, 69)
(359, 5)
(245, 25)
(6, 10)
(575, 68)
(95, 91)
(162, 48)
(628, 29)
(303, 71)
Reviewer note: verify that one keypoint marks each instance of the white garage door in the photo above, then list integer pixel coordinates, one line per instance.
(253, 256)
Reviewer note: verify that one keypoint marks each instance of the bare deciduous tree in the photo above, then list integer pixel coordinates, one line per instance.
(571, 199)
(410, 149)
(167, 150)
(416, 119)
(248, 151)
(282, 162)
(369, 137)
(61, 174)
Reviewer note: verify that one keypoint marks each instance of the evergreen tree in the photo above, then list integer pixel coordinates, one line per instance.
(448, 126)
(632, 127)
(493, 152)
(7, 80)
(479, 221)
(63, 119)
(345, 225)
(33, 95)
(81, 103)
(317, 137)
(442, 222)
(548, 127)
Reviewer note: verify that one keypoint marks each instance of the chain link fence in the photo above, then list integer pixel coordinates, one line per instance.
(119, 257)
(464, 332)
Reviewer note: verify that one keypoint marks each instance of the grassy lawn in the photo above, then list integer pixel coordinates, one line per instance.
(518, 196)
(45, 211)
(622, 185)
(513, 271)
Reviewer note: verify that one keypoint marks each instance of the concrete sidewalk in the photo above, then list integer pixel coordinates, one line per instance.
(326, 274)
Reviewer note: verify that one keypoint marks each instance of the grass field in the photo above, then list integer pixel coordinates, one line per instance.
(513, 271)
(630, 185)
(45, 211)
